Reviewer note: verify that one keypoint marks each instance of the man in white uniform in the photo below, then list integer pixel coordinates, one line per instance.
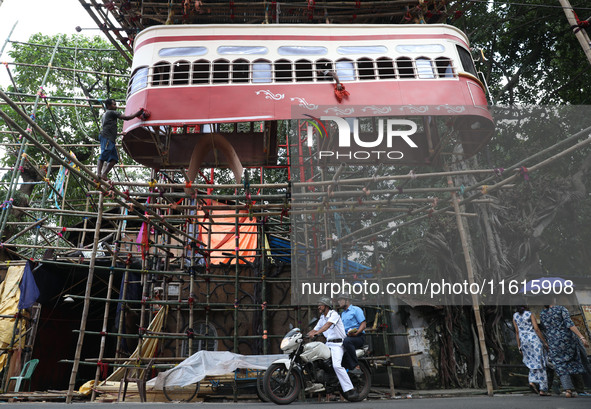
(331, 325)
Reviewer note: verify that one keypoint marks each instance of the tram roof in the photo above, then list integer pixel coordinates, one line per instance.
(325, 31)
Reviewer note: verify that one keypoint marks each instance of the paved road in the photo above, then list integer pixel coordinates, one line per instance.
(476, 402)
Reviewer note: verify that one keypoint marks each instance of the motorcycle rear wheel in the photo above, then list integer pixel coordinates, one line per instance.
(277, 389)
(362, 383)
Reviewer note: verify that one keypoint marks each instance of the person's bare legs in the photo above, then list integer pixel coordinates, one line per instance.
(108, 169)
(99, 168)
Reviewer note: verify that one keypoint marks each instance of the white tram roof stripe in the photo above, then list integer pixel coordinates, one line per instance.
(296, 32)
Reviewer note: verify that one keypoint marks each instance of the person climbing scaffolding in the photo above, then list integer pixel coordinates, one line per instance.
(108, 136)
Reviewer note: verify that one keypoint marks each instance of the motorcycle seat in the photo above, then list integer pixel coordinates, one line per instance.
(362, 351)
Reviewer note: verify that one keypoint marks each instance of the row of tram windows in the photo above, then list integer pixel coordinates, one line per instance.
(264, 71)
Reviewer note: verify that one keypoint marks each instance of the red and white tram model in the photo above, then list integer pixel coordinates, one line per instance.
(192, 77)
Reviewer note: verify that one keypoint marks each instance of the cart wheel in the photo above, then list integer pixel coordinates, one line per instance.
(260, 390)
(180, 393)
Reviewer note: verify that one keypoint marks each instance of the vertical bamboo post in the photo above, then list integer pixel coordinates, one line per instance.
(387, 353)
(207, 281)
(5, 378)
(85, 224)
(122, 311)
(35, 315)
(236, 281)
(184, 252)
(236, 293)
(192, 299)
(97, 232)
(475, 301)
(263, 248)
(64, 192)
(107, 307)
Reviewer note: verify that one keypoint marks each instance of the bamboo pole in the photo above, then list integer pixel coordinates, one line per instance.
(20, 233)
(86, 303)
(106, 32)
(8, 38)
(475, 300)
(580, 33)
(122, 311)
(111, 74)
(106, 316)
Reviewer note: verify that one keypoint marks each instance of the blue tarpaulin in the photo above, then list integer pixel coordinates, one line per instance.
(28, 287)
(281, 250)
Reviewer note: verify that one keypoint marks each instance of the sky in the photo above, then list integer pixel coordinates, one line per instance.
(40, 16)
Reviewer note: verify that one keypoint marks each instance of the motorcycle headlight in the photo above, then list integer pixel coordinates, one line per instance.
(284, 343)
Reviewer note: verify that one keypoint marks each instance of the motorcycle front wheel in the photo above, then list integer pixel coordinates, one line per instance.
(281, 385)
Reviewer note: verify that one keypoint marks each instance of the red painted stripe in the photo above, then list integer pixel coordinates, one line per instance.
(196, 38)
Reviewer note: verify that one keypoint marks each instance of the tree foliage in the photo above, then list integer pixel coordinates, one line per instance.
(81, 73)
(532, 55)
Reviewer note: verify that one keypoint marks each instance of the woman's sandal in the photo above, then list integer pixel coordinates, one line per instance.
(534, 388)
(544, 393)
(568, 393)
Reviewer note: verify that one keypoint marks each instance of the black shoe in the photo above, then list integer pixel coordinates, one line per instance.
(356, 372)
(352, 395)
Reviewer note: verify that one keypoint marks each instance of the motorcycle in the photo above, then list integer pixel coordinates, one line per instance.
(309, 367)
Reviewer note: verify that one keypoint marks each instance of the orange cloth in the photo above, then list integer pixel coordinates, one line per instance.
(223, 236)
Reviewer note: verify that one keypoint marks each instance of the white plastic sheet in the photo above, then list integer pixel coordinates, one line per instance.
(210, 363)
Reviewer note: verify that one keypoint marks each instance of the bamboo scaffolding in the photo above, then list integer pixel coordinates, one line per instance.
(475, 298)
(76, 164)
(198, 275)
(78, 353)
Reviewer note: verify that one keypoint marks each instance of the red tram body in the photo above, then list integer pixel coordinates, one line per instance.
(192, 77)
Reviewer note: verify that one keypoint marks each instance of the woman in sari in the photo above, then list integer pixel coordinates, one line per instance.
(531, 345)
(562, 335)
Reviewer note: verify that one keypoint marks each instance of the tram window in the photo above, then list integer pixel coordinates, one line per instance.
(405, 68)
(323, 67)
(182, 51)
(240, 70)
(201, 72)
(180, 73)
(221, 71)
(444, 67)
(242, 50)
(365, 69)
(466, 60)
(261, 71)
(303, 70)
(424, 68)
(362, 49)
(139, 80)
(385, 68)
(283, 71)
(345, 70)
(302, 50)
(161, 74)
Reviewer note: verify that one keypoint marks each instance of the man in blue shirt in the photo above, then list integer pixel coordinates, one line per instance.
(354, 322)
